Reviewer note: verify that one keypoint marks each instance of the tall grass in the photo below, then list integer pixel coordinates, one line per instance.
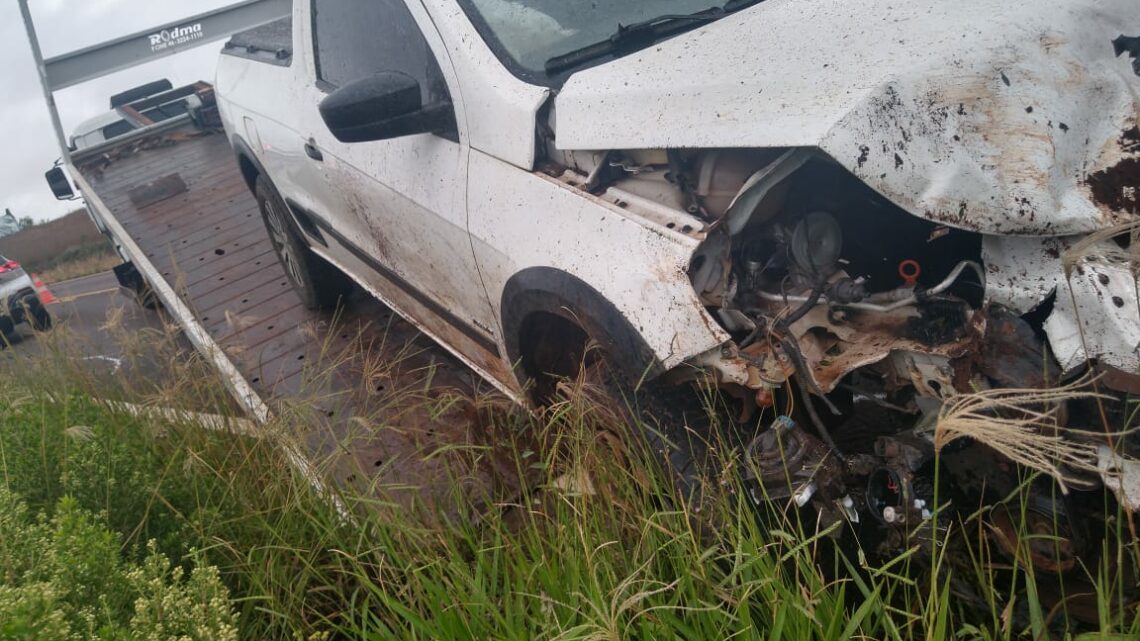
(596, 544)
(76, 262)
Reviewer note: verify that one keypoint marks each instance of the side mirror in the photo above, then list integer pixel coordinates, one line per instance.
(383, 106)
(60, 185)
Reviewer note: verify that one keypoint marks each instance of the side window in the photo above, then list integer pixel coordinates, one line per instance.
(357, 38)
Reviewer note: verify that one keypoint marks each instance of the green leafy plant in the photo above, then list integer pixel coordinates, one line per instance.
(595, 543)
(65, 577)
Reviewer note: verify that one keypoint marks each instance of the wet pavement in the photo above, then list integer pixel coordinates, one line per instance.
(105, 328)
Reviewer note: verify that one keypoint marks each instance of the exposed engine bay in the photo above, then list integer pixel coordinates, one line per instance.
(859, 326)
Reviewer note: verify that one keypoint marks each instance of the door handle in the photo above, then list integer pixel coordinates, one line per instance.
(312, 152)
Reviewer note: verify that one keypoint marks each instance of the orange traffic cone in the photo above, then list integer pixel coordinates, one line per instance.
(46, 297)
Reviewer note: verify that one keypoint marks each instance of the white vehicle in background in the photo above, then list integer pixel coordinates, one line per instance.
(138, 108)
(878, 205)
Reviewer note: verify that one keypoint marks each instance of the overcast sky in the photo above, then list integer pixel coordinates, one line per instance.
(63, 26)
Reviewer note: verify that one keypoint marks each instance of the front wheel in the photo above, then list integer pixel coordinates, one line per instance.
(317, 283)
(670, 421)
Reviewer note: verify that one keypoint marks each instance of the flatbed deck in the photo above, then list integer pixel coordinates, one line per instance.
(347, 377)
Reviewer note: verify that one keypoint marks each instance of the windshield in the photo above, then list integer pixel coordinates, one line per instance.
(527, 33)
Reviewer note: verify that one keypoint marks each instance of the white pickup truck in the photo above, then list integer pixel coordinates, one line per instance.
(878, 205)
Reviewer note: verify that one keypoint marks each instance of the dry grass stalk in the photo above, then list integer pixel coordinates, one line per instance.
(1095, 244)
(80, 267)
(1023, 426)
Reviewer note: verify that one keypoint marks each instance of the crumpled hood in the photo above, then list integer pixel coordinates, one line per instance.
(990, 115)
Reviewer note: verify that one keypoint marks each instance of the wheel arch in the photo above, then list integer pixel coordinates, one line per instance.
(536, 292)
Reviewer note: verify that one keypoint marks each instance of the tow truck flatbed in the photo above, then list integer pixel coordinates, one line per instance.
(179, 197)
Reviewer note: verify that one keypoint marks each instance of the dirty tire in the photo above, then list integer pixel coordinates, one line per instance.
(39, 319)
(672, 429)
(317, 283)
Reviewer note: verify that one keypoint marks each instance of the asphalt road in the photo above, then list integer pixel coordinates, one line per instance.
(98, 315)
(86, 303)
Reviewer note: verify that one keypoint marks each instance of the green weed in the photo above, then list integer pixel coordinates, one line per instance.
(596, 543)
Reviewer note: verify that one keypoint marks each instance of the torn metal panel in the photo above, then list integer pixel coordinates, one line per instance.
(756, 188)
(834, 350)
(1097, 315)
(1022, 272)
(983, 115)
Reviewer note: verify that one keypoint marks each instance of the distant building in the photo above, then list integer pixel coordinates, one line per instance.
(8, 224)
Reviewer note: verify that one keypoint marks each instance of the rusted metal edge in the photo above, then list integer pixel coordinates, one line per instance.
(235, 382)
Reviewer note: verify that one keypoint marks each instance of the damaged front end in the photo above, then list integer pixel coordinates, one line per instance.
(889, 232)
(915, 245)
(859, 324)
(881, 321)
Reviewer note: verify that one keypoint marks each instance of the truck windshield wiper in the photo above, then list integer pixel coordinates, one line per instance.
(630, 38)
